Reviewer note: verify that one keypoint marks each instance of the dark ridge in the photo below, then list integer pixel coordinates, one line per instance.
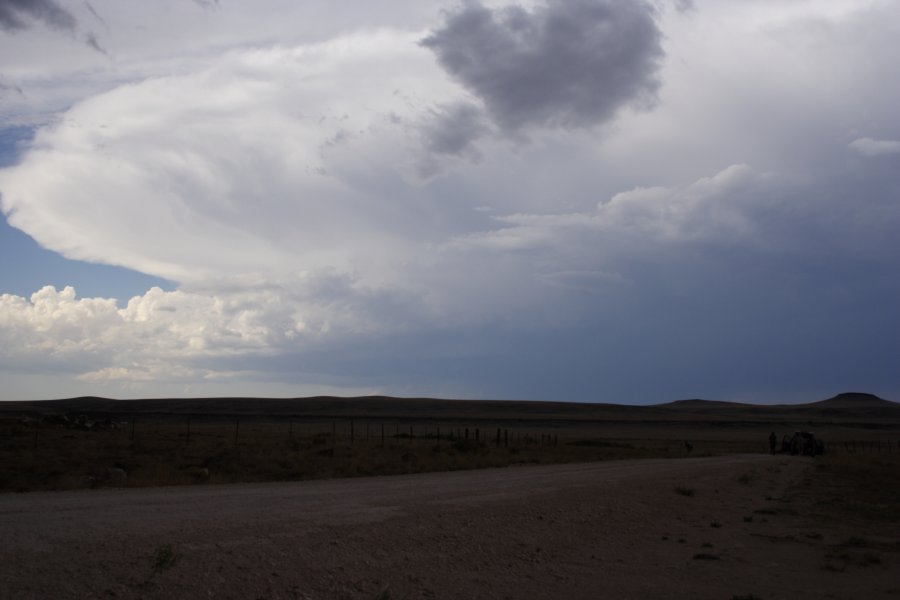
(847, 406)
(854, 400)
(700, 404)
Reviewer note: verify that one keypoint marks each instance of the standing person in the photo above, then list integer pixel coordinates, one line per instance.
(773, 441)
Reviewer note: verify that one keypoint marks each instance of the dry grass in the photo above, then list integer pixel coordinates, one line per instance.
(162, 453)
(166, 450)
(863, 487)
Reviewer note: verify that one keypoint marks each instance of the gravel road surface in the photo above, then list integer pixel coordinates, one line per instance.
(608, 529)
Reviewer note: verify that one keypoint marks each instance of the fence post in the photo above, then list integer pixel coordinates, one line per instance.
(352, 432)
(290, 429)
(188, 438)
(37, 428)
(237, 429)
(506, 438)
(467, 433)
(132, 429)
(382, 435)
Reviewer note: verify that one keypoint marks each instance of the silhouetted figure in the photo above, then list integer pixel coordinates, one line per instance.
(688, 447)
(773, 442)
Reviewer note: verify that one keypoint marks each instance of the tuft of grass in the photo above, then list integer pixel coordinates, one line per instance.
(832, 567)
(685, 491)
(163, 559)
(715, 525)
(747, 478)
(748, 519)
(705, 556)
(868, 559)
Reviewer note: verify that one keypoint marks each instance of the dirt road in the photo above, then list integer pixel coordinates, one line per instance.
(688, 528)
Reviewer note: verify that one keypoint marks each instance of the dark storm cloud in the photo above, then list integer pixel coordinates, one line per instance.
(13, 12)
(566, 64)
(454, 129)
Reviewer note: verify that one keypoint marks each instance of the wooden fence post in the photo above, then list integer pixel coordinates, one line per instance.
(352, 433)
(382, 435)
(290, 429)
(506, 438)
(237, 429)
(37, 428)
(188, 438)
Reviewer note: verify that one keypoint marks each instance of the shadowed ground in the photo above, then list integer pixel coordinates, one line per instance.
(746, 526)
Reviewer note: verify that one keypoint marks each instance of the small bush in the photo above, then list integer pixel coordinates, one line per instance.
(684, 491)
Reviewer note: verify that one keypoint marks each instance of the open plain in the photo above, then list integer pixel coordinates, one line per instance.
(726, 519)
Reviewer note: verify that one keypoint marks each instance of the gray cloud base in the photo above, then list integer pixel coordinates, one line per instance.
(14, 14)
(566, 64)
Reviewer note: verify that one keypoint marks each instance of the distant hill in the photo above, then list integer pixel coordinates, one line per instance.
(854, 400)
(697, 404)
(850, 407)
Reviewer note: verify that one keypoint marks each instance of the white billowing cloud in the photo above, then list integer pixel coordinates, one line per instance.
(872, 147)
(718, 208)
(171, 335)
(247, 166)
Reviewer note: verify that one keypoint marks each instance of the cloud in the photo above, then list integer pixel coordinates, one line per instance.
(451, 132)
(269, 149)
(563, 64)
(342, 209)
(872, 147)
(14, 14)
(685, 6)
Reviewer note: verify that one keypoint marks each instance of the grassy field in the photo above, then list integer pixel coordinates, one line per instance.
(48, 446)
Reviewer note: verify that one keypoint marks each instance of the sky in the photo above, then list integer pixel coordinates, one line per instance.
(576, 200)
